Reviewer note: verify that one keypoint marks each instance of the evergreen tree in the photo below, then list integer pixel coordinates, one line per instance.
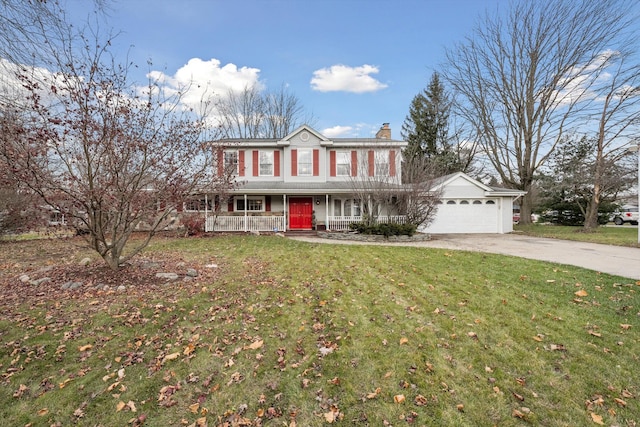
(426, 128)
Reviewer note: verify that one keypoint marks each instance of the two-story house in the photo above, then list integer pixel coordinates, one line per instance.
(307, 181)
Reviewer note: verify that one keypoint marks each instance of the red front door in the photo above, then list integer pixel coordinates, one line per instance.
(300, 212)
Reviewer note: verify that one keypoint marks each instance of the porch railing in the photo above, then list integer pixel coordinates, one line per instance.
(245, 223)
(341, 223)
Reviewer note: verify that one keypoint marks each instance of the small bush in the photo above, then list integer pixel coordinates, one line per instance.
(386, 230)
(193, 224)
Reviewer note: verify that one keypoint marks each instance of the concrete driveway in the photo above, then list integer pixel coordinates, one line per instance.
(616, 260)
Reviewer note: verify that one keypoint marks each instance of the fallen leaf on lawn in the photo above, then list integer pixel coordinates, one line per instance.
(551, 281)
(190, 348)
(620, 402)
(596, 418)
(255, 345)
(594, 333)
(171, 356)
(625, 326)
(64, 383)
(120, 406)
(488, 369)
(472, 335)
(626, 393)
(42, 412)
(581, 293)
(120, 373)
(374, 394)
(132, 406)
(194, 408)
(404, 340)
(21, 389)
(333, 415)
(518, 396)
(420, 400)
(557, 347)
(538, 338)
(460, 407)
(85, 347)
(399, 398)
(517, 414)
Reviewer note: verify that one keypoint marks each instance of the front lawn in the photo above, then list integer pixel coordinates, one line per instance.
(275, 332)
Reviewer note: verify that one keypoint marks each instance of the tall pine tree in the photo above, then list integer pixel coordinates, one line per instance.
(426, 128)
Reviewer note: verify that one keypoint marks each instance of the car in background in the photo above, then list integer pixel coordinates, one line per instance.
(626, 214)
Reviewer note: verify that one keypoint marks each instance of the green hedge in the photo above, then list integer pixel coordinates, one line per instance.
(384, 229)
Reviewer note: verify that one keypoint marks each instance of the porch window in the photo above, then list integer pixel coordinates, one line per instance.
(197, 205)
(343, 163)
(254, 204)
(305, 162)
(266, 163)
(351, 207)
(231, 161)
(382, 163)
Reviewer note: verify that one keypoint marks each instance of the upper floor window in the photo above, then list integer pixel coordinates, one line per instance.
(305, 162)
(266, 163)
(343, 163)
(382, 163)
(231, 161)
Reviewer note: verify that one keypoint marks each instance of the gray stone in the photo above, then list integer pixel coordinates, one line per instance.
(40, 281)
(167, 276)
(192, 272)
(150, 265)
(211, 266)
(85, 261)
(24, 278)
(71, 285)
(121, 288)
(181, 264)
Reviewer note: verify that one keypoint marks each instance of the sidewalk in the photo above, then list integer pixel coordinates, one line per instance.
(616, 260)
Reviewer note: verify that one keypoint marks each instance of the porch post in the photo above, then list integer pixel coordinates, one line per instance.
(284, 210)
(206, 212)
(326, 216)
(245, 214)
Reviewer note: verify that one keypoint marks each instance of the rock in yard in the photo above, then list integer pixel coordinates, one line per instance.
(121, 288)
(71, 285)
(192, 272)
(85, 261)
(24, 278)
(167, 276)
(40, 281)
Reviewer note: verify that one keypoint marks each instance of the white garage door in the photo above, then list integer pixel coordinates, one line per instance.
(466, 216)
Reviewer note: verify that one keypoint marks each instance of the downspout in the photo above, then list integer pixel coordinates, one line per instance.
(326, 209)
(206, 212)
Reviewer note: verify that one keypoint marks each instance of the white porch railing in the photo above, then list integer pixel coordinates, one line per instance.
(245, 223)
(341, 223)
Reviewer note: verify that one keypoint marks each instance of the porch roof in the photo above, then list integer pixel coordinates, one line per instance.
(279, 187)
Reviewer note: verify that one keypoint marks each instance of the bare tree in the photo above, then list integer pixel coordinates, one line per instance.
(378, 185)
(111, 157)
(618, 121)
(524, 80)
(252, 113)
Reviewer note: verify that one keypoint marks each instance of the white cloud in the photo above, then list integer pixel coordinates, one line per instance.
(347, 79)
(205, 79)
(336, 131)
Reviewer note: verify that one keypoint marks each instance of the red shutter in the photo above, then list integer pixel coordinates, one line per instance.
(316, 162)
(332, 163)
(392, 163)
(220, 160)
(354, 163)
(230, 205)
(256, 163)
(241, 162)
(267, 203)
(372, 164)
(276, 163)
(294, 162)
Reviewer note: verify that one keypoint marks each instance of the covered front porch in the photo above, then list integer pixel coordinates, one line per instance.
(289, 212)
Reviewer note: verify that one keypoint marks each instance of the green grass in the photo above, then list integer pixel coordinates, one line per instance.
(294, 331)
(620, 236)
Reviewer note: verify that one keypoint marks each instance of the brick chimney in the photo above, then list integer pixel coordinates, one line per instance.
(384, 132)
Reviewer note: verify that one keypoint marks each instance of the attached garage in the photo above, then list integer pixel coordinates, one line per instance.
(468, 206)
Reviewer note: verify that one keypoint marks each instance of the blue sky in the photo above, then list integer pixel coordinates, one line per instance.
(353, 64)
